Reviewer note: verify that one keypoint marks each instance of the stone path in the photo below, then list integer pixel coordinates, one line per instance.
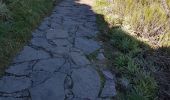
(54, 65)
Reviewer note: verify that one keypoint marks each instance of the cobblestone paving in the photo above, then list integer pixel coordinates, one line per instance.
(54, 65)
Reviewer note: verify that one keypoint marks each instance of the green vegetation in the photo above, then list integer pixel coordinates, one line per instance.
(134, 33)
(93, 56)
(145, 18)
(17, 19)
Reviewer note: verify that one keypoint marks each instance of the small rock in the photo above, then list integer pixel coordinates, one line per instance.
(124, 83)
(109, 89)
(108, 74)
(101, 57)
(69, 94)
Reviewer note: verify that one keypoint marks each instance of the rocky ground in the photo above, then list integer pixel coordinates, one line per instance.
(54, 65)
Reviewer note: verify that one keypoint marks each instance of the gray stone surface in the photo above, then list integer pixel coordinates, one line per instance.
(44, 25)
(40, 42)
(11, 98)
(24, 93)
(51, 89)
(37, 33)
(86, 83)
(62, 42)
(54, 64)
(109, 89)
(39, 77)
(79, 59)
(84, 32)
(59, 50)
(80, 99)
(66, 68)
(56, 33)
(28, 54)
(20, 69)
(87, 45)
(11, 84)
(49, 65)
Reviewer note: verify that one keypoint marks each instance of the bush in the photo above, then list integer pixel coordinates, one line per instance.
(144, 18)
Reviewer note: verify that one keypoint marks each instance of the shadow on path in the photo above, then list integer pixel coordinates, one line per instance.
(54, 64)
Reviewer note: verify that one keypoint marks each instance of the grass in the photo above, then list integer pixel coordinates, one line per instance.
(131, 55)
(93, 56)
(131, 64)
(17, 19)
(145, 18)
(128, 60)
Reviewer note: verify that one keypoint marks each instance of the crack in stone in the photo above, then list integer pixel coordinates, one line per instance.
(58, 70)
(18, 94)
(68, 85)
(69, 17)
(44, 80)
(42, 48)
(30, 65)
(10, 74)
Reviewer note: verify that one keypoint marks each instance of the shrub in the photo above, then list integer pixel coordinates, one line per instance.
(145, 18)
